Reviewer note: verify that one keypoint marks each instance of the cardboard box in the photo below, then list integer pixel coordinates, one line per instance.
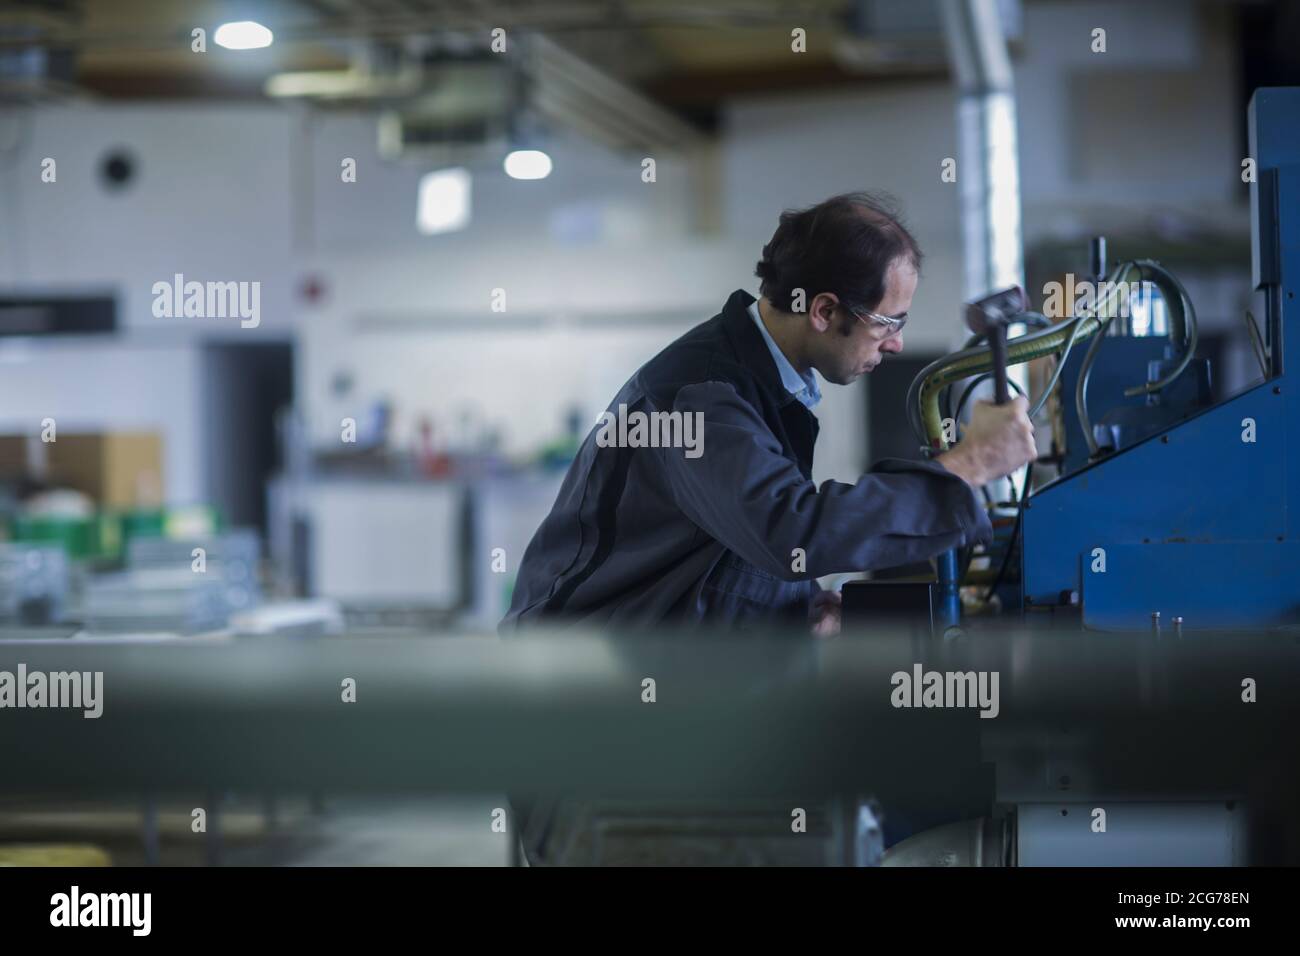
(13, 457)
(119, 470)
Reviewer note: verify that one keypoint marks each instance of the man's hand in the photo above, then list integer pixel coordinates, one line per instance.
(998, 440)
(824, 614)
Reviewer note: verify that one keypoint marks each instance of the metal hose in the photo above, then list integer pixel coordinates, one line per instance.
(923, 393)
(1182, 332)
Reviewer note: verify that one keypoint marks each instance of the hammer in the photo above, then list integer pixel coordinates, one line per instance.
(990, 316)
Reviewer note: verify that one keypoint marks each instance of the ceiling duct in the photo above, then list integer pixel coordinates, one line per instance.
(886, 37)
(33, 73)
(446, 102)
(570, 91)
(986, 145)
(376, 71)
(466, 110)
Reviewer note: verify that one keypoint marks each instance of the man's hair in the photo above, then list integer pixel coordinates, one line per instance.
(843, 245)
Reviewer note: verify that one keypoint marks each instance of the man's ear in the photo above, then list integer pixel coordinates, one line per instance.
(821, 311)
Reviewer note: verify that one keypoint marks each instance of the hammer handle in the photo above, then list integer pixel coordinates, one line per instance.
(998, 351)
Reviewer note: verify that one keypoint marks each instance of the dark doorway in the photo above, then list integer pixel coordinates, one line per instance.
(243, 388)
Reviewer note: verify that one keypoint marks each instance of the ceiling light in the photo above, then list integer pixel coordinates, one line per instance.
(443, 204)
(243, 35)
(528, 164)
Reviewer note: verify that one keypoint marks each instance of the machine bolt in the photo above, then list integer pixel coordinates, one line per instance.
(1155, 623)
(1178, 627)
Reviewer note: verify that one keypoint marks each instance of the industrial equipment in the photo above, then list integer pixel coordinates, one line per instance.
(172, 584)
(1164, 507)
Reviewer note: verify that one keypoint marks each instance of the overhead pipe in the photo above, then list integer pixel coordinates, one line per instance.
(988, 176)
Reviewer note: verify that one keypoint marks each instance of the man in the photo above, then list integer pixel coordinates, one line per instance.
(732, 531)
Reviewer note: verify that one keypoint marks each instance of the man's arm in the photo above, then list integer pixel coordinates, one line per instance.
(745, 493)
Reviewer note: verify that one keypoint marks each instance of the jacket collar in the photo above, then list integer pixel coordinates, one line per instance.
(750, 347)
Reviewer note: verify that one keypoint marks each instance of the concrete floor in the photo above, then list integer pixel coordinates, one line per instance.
(415, 831)
(437, 832)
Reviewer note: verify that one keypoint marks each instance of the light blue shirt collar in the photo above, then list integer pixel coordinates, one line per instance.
(802, 387)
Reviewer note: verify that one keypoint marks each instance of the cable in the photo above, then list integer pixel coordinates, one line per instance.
(965, 396)
(913, 408)
(922, 407)
(1115, 280)
(1257, 343)
(1015, 536)
(1060, 367)
(1056, 375)
(1183, 330)
(947, 402)
(1081, 389)
(1185, 313)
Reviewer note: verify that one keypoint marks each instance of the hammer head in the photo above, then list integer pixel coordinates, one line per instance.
(996, 309)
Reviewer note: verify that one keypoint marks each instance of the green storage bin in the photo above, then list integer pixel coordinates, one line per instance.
(74, 535)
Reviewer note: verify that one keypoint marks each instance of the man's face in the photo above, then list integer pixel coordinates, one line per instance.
(843, 346)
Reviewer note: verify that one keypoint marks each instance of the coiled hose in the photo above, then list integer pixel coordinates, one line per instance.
(1182, 331)
(923, 393)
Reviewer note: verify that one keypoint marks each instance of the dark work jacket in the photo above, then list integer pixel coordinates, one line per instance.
(736, 536)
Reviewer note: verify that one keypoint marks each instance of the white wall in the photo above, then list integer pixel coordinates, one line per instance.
(593, 197)
(788, 152)
(142, 386)
(577, 324)
(210, 201)
(1168, 134)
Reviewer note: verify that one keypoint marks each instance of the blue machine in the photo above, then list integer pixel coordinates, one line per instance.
(1195, 521)
(1129, 419)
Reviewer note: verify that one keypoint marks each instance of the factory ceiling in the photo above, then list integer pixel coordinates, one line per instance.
(688, 55)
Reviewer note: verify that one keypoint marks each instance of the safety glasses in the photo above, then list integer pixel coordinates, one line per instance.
(894, 323)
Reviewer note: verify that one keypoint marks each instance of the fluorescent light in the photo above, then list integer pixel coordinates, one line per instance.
(314, 83)
(528, 164)
(243, 35)
(444, 201)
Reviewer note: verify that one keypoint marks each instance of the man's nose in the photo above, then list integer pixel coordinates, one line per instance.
(892, 344)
